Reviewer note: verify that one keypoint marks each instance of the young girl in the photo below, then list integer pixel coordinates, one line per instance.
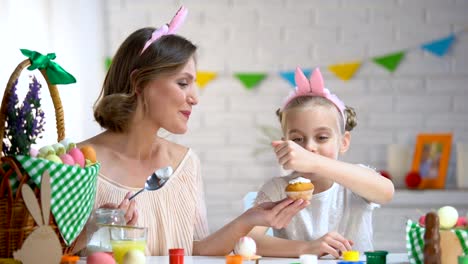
(151, 86)
(316, 126)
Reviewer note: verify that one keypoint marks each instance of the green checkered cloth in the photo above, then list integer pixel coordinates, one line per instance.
(415, 241)
(73, 192)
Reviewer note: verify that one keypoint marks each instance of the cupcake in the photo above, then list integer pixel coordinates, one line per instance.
(300, 188)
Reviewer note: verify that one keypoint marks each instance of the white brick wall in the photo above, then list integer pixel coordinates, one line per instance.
(426, 94)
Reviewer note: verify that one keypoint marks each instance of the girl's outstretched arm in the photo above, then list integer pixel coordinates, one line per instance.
(362, 180)
(274, 214)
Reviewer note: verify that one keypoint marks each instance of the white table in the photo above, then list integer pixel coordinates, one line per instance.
(391, 259)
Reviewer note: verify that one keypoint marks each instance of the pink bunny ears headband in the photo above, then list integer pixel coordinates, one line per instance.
(313, 87)
(167, 29)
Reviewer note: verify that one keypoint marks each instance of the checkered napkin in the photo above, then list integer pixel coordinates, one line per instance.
(415, 241)
(73, 192)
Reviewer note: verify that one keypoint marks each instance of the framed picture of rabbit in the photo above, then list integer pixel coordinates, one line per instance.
(43, 238)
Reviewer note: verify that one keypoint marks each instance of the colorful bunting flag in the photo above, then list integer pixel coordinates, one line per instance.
(439, 47)
(250, 80)
(289, 76)
(390, 61)
(204, 77)
(108, 63)
(345, 71)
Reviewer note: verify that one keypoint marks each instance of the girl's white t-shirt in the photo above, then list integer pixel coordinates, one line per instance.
(336, 209)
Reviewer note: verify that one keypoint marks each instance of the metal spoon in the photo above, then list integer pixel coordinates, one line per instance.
(156, 180)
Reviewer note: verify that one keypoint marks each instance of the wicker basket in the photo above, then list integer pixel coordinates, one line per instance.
(15, 221)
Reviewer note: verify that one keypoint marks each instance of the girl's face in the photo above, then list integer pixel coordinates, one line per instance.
(316, 129)
(169, 99)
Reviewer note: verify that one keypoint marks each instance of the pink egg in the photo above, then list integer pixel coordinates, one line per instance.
(100, 258)
(33, 152)
(462, 221)
(67, 159)
(422, 220)
(77, 156)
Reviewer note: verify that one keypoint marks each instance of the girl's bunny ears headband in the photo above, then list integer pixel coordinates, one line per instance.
(167, 29)
(313, 87)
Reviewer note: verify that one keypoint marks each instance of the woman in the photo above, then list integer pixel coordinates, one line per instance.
(149, 86)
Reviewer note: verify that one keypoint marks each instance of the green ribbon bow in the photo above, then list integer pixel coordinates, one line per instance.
(55, 73)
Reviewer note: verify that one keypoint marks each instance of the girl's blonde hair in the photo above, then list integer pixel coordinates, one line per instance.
(307, 101)
(130, 72)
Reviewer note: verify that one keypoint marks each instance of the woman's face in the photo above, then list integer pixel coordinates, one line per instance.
(169, 99)
(316, 129)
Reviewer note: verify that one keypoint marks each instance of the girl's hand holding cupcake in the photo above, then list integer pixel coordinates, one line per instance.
(275, 214)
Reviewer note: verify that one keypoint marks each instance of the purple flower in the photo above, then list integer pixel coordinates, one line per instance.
(25, 122)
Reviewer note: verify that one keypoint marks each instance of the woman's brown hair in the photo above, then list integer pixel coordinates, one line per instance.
(130, 71)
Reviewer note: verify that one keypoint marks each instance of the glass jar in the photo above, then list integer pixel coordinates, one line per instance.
(97, 229)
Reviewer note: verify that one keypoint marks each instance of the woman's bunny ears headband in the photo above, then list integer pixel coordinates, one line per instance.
(167, 29)
(313, 87)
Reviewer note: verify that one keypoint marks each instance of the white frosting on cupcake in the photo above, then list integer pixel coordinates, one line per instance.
(299, 180)
(245, 247)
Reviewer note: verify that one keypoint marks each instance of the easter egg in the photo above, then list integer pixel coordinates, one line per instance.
(100, 258)
(422, 220)
(461, 222)
(245, 247)
(134, 257)
(54, 158)
(310, 258)
(448, 217)
(68, 144)
(59, 149)
(67, 159)
(33, 152)
(46, 151)
(89, 153)
(77, 156)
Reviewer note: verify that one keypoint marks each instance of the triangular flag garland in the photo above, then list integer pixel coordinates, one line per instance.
(205, 77)
(289, 76)
(250, 80)
(108, 63)
(390, 61)
(439, 47)
(345, 71)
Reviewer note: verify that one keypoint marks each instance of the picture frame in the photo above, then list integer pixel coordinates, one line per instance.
(431, 159)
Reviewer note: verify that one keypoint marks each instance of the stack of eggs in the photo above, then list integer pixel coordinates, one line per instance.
(66, 152)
